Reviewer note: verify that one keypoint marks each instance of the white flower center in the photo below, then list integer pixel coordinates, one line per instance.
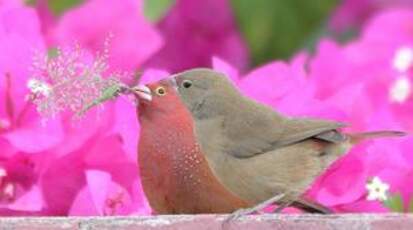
(403, 59)
(37, 86)
(400, 90)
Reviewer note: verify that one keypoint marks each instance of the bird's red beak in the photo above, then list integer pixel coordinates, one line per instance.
(142, 92)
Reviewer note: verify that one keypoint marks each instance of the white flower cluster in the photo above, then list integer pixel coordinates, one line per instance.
(39, 87)
(72, 79)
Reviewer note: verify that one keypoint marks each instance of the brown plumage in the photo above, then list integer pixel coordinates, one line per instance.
(249, 152)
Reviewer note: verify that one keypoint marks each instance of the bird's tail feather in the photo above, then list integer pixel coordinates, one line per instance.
(357, 137)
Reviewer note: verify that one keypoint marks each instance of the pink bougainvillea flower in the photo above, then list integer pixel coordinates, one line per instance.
(270, 83)
(19, 123)
(396, 22)
(194, 32)
(283, 86)
(103, 196)
(344, 182)
(18, 190)
(43, 163)
(397, 61)
(381, 69)
(353, 13)
(224, 67)
(88, 167)
(153, 75)
(132, 40)
(97, 179)
(105, 139)
(47, 19)
(406, 178)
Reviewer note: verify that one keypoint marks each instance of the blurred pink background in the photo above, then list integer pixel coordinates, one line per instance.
(58, 166)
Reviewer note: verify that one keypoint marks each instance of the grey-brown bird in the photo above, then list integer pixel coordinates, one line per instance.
(206, 148)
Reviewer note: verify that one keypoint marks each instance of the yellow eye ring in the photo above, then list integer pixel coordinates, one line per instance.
(161, 91)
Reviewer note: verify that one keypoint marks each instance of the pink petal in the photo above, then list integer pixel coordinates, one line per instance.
(225, 68)
(153, 75)
(37, 138)
(98, 184)
(134, 40)
(32, 200)
(127, 126)
(193, 36)
(270, 83)
(343, 182)
(82, 205)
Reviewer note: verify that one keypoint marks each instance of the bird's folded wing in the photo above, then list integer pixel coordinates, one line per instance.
(261, 136)
(295, 130)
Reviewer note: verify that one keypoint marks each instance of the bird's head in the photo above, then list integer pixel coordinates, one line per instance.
(206, 92)
(202, 91)
(157, 98)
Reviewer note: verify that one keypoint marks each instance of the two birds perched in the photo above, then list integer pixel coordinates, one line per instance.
(206, 148)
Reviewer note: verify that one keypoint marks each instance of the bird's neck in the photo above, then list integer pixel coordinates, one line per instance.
(166, 132)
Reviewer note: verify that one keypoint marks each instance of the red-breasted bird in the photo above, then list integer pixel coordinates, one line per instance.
(206, 148)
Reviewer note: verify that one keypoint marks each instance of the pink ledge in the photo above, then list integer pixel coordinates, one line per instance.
(197, 222)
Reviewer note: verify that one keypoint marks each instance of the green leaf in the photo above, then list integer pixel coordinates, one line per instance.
(59, 6)
(154, 10)
(411, 206)
(108, 93)
(277, 29)
(52, 52)
(30, 2)
(394, 203)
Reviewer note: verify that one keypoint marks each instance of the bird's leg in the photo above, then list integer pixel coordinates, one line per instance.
(304, 205)
(256, 208)
(310, 207)
(281, 207)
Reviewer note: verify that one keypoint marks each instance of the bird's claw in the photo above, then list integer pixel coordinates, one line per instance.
(242, 212)
(256, 209)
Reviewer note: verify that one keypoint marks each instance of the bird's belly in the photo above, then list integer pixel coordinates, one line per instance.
(261, 177)
(180, 181)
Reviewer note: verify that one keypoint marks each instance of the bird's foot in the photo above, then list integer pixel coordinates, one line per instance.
(256, 209)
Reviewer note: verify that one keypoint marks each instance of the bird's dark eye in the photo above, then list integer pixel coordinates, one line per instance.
(187, 83)
(160, 91)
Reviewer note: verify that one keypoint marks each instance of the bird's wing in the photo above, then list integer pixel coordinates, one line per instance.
(290, 131)
(254, 128)
(295, 130)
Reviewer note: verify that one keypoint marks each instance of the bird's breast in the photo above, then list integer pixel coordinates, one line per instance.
(176, 176)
